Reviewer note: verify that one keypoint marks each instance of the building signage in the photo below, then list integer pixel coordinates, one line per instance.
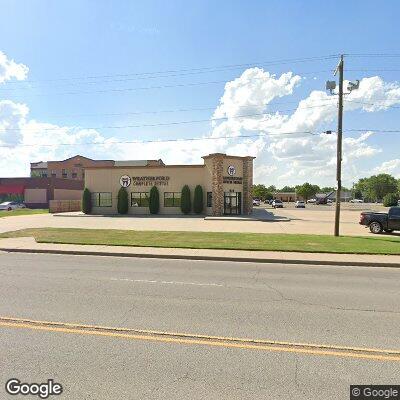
(231, 170)
(125, 181)
(233, 180)
(150, 180)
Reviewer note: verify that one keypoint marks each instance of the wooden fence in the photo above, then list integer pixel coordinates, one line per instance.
(59, 206)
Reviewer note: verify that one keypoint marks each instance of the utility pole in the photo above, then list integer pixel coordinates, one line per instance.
(331, 86)
(339, 69)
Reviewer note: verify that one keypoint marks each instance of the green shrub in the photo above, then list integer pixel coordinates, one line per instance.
(122, 203)
(154, 200)
(198, 200)
(186, 205)
(86, 201)
(390, 200)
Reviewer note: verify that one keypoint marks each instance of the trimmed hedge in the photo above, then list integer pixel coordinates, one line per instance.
(122, 203)
(186, 204)
(198, 200)
(86, 201)
(154, 200)
(390, 200)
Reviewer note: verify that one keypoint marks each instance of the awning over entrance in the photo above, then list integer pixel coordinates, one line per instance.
(12, 189)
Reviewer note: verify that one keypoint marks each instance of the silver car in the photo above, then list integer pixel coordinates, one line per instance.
(11, 205)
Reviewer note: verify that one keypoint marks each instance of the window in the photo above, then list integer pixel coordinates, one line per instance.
(172, 199)
(139, 199)
(395, 212)
(209, 199)
(74, 175)
(102, 199)
(43, 174)
(64, 173)
(53, 174)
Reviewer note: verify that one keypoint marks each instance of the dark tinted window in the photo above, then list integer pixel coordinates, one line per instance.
(395, 212)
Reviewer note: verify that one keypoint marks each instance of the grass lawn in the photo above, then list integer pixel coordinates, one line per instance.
(383, 244)
(23, 211)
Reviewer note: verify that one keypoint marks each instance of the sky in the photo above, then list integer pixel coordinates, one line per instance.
(134, 80)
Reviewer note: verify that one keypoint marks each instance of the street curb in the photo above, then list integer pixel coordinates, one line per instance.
(205, 258)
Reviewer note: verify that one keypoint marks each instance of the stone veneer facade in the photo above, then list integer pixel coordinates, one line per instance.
(217, 185)
(217, 161)
(247, 185)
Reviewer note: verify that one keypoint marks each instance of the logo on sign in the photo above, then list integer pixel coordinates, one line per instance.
(231, 170)
(125, 181)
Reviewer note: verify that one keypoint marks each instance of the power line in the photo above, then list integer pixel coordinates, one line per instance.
(255, 64)
(143, 78)
(374, 130)
(118, 90)
(161, 141)
(373, 70)
(179, 122)
(183, 110)
(374, 104)
(269, 134)
(379, 55)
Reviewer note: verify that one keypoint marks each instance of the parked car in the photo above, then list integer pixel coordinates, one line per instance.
(377, 222)
(11, 205)
(256, 202)
(356, 201)
(300, 204)
(277, 204)
(311, 201)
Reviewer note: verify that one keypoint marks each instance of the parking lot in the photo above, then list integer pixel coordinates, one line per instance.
(314, 219)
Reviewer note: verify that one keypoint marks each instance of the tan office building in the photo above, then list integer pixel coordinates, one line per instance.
(226, 181)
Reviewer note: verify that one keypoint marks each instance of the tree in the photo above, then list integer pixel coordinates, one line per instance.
(390, 200)
(86, 201)
(122, 201)
(376, 187)
(306, 190)
(198, 200)
(327, 189)
(154, 200)
(259, 191)
(287, 189)
(268, 196)
(186, 204)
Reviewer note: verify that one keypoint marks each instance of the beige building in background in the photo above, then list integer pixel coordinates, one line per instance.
(226, 181)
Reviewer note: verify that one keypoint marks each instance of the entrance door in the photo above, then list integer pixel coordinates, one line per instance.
(232, 203)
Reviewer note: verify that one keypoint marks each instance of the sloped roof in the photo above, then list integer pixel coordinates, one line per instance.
(39, 164)
(137, 163)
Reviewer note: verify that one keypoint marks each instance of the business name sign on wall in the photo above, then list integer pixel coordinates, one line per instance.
(232, 180)
(150, 180)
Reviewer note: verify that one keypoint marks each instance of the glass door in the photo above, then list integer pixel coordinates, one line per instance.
(232, 203)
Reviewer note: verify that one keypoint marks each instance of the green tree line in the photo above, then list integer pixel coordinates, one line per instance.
(372, 189)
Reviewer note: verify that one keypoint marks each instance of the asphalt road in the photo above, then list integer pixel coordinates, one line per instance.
(334, 306)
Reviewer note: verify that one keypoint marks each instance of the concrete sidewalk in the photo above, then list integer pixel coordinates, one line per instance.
(29, 245)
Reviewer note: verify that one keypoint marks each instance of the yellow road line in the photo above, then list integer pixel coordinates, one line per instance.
(166, 337)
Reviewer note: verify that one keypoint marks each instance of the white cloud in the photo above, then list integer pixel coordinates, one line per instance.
(374, 94)
(9, 69)
(12, 119)
(389, 167)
